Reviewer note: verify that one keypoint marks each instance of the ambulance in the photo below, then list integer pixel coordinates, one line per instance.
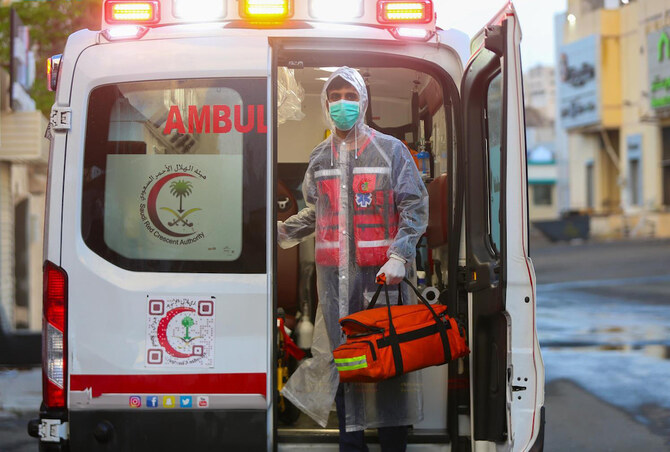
(180, 134)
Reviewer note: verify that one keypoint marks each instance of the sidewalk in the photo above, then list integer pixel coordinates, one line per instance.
(20, 398)
(20, 391)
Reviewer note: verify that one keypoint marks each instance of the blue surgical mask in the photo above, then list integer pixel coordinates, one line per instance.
(344, 113)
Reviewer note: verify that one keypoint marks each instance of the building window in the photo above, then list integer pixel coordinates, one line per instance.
(542, 194)
(589, 185)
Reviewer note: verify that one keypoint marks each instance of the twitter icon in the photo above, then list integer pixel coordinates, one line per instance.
(185, 401)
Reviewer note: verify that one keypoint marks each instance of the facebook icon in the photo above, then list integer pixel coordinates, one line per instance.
(152, 401)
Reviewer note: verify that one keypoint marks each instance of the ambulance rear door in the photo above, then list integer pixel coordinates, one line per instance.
(507, 373)
(442, 62)
(165, 244)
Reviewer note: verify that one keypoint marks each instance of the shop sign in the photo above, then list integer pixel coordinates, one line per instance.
(579, 96)
(658, 57)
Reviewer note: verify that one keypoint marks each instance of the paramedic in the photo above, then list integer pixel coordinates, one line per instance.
(368, 207)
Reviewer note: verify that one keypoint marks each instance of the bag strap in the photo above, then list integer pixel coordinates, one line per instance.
(373, 301)
(443, 331)
(393, 337)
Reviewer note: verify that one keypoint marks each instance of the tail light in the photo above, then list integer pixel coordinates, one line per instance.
(54, 337)
(404, 12)
(265, 9)
(125, 12)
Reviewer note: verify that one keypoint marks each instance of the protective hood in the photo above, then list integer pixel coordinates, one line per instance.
(352, 76)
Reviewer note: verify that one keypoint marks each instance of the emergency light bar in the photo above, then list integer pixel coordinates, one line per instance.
(124, 12)
(395, 12)
(404, 19)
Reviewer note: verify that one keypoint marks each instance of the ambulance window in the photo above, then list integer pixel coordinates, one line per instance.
(494, 121)
(174, 175)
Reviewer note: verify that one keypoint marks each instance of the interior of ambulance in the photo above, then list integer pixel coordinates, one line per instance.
(405, 101)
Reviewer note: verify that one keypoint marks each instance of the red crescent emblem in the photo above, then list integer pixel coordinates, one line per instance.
(151, 204)
(161, 332)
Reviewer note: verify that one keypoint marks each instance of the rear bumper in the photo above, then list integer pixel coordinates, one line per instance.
(166, 430)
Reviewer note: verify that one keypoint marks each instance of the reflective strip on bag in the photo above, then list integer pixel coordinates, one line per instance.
(357, 362)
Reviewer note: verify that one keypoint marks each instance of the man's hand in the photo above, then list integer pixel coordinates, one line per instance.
(393, 269)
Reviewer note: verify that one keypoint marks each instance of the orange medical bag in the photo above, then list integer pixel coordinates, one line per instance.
(388, 341)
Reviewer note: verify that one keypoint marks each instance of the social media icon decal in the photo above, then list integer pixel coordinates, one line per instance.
(185, 401)
(168, 401)
(152, 401)
(135, 401)
(203, 401)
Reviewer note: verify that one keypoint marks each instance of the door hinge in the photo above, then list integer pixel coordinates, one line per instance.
(53, 430)
(60, 119)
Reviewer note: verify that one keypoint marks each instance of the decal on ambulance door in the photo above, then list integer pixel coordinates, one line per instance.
(162, 207)
(180, 332)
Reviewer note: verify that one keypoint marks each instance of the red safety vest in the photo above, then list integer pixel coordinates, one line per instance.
(375, 219)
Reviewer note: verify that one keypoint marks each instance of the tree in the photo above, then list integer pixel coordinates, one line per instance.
(180, 189)
(187, 322)
(50, 22)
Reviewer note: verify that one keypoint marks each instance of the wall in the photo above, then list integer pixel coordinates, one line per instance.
(610, 70)
(583, 148)
(638, 116)
(6, 248)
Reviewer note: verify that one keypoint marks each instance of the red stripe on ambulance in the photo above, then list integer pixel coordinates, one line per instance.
(243, 383)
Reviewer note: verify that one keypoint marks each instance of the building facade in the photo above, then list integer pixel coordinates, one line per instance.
(613, 68)
(23, 170)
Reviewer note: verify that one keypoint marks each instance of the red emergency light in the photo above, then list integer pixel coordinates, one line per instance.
(404, 12)
(129, 12)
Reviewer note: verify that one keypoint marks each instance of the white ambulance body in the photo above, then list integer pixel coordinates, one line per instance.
(174, 141)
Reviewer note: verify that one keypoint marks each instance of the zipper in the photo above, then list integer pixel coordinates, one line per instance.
(372, 330)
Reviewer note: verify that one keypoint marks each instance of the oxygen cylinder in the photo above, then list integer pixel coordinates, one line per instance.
(305, 331)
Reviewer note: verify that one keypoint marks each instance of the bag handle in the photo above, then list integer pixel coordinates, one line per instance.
(381, 283)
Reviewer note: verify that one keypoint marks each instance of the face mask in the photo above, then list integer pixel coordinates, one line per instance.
(344, 113)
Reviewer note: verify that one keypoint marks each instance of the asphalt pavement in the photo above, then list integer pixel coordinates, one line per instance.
(604, 327)
(603, 321)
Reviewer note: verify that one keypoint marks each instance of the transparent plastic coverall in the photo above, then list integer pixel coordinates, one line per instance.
(365, 201)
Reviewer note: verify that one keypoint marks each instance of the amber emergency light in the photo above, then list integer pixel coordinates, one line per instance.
(124, 12)
(404, 12)
(263, 10)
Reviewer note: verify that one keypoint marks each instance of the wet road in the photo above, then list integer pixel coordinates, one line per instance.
(603, 321)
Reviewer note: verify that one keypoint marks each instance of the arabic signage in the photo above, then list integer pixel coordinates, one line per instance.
(174, 207)
(579, 96)
(658, 58)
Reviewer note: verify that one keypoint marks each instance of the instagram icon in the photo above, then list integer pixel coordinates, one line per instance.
(135, 401)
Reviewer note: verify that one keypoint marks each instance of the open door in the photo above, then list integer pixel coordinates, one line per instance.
(507, 373)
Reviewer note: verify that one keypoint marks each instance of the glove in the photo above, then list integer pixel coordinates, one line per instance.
(393, 270)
